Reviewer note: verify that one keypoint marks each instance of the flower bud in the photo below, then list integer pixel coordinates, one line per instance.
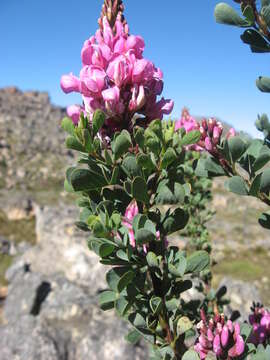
(208, 144)
(74, 112)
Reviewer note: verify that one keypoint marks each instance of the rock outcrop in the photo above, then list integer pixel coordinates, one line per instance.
(51, 312)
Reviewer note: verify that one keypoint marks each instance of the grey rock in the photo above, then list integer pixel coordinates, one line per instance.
(51, 318)
(62, 249)
(241, 294)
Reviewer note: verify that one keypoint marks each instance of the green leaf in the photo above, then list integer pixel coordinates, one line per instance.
(137, 320)
(256, 41)
(170, 193)
(82, 226)
(106, 250)
(263, 84)
(197, 262)
(144, 236)
(152, 259)
(139, 136)
(190, 138)
(255, 186)
(179, 268)
(225, 14)
(191, 355)
(108, 157)
(262, 159)
(74, 144)
(183, 325)
(175, 221)
(237, 147)
(121, 144)
(168, 158)
(133, 337)
(156, 305)
(130, 166)
(139, 190)
(121, 254)
(145, 161)
(83, 180)
(125, 280)
(88, 143)
(106, 300)
(266, 14)
(114, 275)
(156, 127)
(249, 14)
(98, 121)
(265, 181)
(122, 306)
(214, 167)
(264, 220)
(246, 331)
(115, 176)
(68, 125)
(237, 185)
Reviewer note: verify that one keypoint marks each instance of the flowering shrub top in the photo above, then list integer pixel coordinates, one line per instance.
(117, 79)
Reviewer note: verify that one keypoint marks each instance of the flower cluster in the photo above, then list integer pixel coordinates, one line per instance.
(211, 132)
(116, 79)
(220, 337)
(260, 321)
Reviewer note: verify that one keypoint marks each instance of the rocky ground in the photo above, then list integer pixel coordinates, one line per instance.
(48, 296)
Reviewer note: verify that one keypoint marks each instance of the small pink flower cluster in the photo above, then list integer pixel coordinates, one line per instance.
(211, 131)
(223, 339)
(260, 321)
(116, 79)
(131, 211)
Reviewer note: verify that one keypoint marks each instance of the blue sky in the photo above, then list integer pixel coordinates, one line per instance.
(206, 67)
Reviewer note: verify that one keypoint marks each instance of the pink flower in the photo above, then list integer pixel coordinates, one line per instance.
(119, 70)
(113, 104)
(135, 43)
(74, 112)
(70, 83)
(92, 80)
(87, 51)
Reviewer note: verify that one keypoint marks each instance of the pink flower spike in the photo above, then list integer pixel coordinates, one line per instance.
(74, 112)
(70, 83)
